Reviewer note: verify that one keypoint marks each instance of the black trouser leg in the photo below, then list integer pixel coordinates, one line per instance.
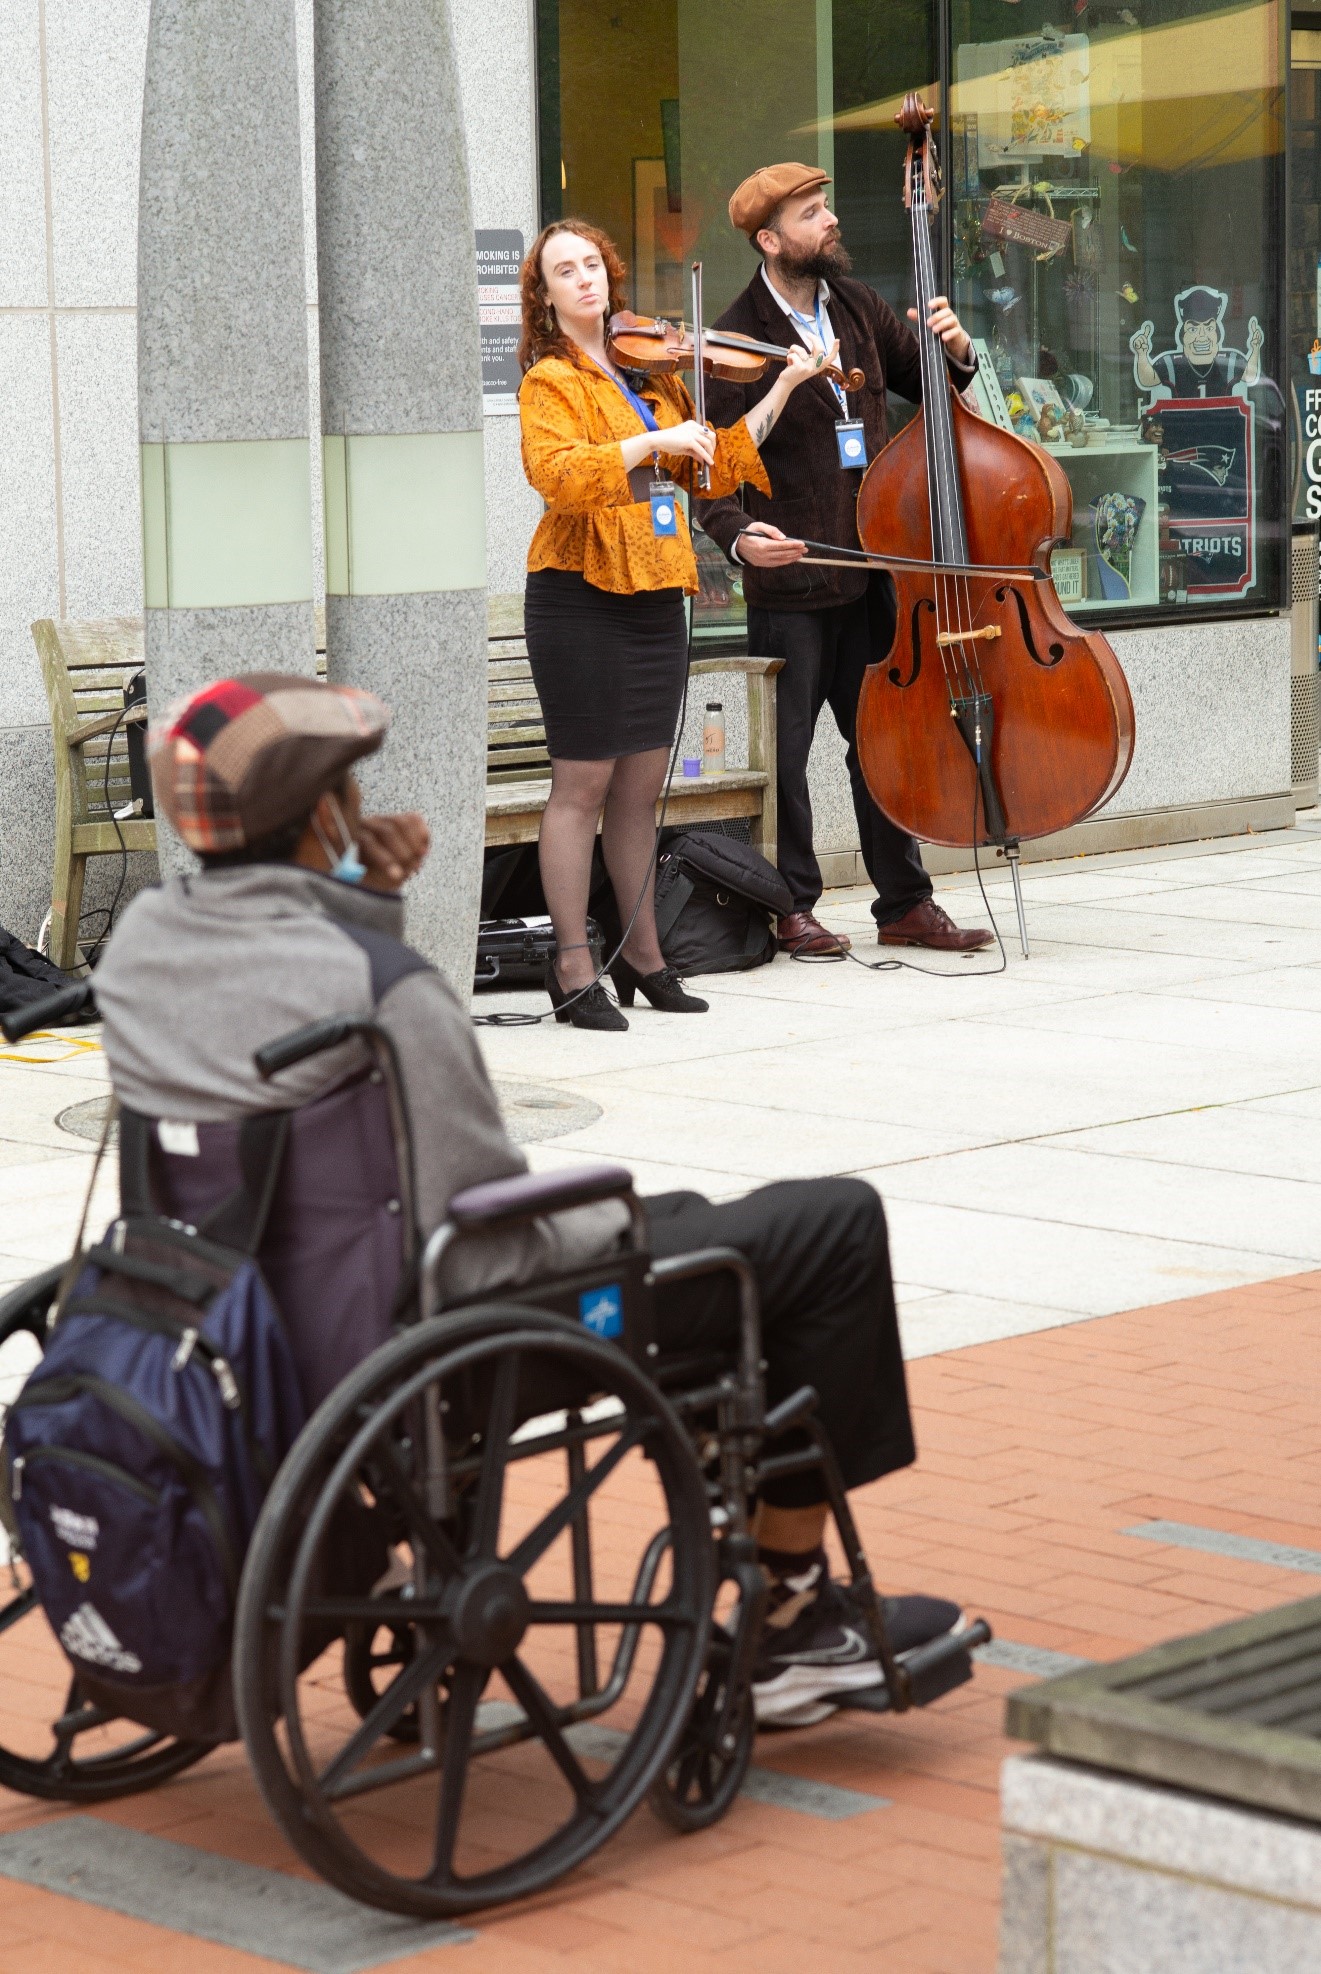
(796, 636)
(825, 654)
(889, 854)
(822, 1261)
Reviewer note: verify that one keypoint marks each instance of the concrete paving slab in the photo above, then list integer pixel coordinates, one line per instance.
(1229, 1138)
(1093, 1272)
(937, 1320)
(1243, 1212)
(1224, 1542)
(1287, 1036)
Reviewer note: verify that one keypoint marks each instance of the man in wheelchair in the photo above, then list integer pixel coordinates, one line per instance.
(296, 915)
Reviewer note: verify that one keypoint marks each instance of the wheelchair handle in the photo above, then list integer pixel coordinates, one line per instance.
(51, 1007)
(311, 1040)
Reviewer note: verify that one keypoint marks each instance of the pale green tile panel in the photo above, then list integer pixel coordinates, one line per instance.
(226, 524)
(405, 513)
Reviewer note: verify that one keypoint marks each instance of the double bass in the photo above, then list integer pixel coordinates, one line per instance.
(994, 718)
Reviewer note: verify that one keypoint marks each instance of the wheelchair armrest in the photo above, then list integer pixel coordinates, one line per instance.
(498, 1202)
(311, 1040)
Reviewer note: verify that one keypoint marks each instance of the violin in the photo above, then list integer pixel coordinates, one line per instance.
(642, 342)
(994, 717)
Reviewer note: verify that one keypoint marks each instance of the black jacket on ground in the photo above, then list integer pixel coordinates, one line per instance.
(813, 496)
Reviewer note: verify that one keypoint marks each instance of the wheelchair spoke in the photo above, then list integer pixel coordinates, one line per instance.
(369, 1610)
(400, 1693)
(495, 1456)
(422, 1525)
(535, 1544)
(538, 1707)
(460, 1713)
(663, 1614)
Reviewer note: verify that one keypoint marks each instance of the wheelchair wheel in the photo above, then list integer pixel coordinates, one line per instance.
(85, 1756)
(545, 1654)
(705, 1773)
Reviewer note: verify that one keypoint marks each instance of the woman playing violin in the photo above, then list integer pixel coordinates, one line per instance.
(608, 567)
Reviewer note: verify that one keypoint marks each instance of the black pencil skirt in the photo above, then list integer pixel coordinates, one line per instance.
(609, 669)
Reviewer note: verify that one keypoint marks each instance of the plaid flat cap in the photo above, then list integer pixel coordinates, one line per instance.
(240, 758)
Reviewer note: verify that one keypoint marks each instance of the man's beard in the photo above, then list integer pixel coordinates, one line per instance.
(828, 261)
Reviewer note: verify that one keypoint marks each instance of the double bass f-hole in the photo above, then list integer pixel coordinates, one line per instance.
(1025, 623)
(915, 644)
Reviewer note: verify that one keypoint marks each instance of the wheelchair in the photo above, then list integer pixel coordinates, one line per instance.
(504, 1585)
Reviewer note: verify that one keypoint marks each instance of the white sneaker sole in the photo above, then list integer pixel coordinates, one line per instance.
(797, 1687)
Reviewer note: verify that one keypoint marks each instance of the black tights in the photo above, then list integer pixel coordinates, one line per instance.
(628, 788)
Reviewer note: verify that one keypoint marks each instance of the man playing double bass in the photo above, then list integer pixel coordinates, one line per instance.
(828, 624)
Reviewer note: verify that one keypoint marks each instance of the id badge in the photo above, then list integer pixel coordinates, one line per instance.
(664, 508)
(852, 445)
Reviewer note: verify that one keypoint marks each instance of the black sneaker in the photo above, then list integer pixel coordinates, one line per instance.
(805, 1667)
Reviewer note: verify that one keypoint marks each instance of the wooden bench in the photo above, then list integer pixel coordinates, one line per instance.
(86, 667)
(518, 767)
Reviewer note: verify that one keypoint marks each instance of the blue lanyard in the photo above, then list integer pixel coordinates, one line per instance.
(644, 410)
(806, 321)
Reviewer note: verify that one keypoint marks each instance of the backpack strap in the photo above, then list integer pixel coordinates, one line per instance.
(135, 1134)
(240, 1220)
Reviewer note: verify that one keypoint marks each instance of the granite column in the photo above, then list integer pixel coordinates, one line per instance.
(401, 411)
(222, 351)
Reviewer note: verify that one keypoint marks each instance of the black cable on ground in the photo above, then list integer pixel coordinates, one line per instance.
(108, 911)
(911, 966)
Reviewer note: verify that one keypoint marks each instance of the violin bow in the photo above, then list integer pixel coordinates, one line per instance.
(699, 379)
(857, 558)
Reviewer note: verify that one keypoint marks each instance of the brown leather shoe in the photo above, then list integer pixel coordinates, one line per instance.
(799, 932)
(928, 925)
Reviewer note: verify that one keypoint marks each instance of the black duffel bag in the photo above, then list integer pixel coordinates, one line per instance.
(717, 901)
(26, 976)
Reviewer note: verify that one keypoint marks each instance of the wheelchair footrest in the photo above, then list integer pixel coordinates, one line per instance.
(933, 1670)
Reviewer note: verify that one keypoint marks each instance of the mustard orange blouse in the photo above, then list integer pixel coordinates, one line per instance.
(573, 417)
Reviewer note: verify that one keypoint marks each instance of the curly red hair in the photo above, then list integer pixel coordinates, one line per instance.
(542, 335)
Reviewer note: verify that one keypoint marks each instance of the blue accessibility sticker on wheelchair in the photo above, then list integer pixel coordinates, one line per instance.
(602, 1310)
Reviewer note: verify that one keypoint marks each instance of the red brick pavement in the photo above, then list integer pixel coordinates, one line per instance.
(1035, 1454)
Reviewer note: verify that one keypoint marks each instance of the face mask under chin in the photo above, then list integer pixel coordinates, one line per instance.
(345, 864)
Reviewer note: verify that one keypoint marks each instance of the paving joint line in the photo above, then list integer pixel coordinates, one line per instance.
(1222, 1542)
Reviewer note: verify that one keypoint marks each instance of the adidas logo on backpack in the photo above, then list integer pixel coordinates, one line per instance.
(86, 1635)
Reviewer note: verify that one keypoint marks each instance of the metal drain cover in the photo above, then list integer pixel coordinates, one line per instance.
(87, 1120)
(532, 1112)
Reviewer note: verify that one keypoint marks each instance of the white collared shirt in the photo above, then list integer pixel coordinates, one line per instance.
(806, 326)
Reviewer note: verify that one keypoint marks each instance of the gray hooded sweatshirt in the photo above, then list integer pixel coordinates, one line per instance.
(206, 968)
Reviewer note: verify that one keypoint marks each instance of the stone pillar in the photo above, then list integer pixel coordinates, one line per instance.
(401, 412)
(222, 351)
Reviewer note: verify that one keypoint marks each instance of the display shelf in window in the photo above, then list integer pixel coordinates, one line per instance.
(1116, 521)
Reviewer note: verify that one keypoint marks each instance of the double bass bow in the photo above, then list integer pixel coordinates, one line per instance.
(994, 717)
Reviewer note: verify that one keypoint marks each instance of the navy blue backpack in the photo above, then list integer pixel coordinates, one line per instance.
(141, 1447)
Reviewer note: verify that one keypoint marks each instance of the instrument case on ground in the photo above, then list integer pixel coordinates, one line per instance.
(514, 952)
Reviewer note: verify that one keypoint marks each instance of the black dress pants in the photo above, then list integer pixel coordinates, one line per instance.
(822, 1262)
(825, 654)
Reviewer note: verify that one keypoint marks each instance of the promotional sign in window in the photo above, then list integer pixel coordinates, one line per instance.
(1206, 488)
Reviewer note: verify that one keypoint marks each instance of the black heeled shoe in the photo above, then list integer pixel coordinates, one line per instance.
(664, 989)
(594, 1009)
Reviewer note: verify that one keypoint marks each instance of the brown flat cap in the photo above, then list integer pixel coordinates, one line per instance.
(237, 759)
(758, 196)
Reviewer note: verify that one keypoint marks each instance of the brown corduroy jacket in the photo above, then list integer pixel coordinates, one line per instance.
(814, 498)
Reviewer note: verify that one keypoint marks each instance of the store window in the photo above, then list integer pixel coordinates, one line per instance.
(1114, 227)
